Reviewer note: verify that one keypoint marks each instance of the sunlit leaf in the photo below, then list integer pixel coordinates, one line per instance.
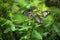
(13, 27)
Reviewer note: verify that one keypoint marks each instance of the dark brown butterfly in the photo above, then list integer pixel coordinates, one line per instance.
(28, 13)
(38, 19)
(45, 13)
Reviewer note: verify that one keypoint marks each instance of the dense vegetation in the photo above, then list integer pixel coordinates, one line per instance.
(29, 19)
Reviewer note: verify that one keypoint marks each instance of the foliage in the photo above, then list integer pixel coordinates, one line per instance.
(17, 24)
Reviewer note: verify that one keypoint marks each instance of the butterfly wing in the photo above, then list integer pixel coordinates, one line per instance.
(28, 13)
(30, 16)
(45, 13)
(38, 19)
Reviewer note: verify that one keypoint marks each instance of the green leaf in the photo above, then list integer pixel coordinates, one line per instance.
(37, 35)
(19, 18)
(24, 27)
(28, 6)
(22, 2)
(13, 27)
(56, 29)
(48, 21)
(7, 22)
(45, 34)
(7, 30)
(14, 8)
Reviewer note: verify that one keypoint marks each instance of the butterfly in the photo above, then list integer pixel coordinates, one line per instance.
(38, 19)
(45, 13)
(28, 13)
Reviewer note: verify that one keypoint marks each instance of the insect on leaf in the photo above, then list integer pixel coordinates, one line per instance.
(38, 19)
(45, 13)
(28, 13)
